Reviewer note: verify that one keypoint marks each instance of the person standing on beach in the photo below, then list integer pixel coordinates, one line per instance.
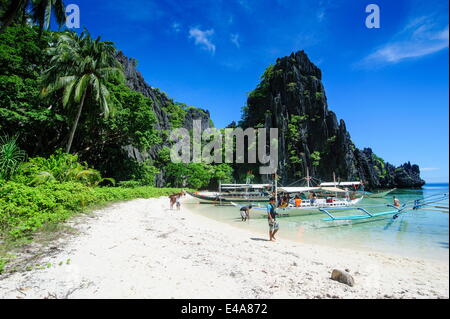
(271, 216)
(177, 201)
(245, 212)
(172, 201)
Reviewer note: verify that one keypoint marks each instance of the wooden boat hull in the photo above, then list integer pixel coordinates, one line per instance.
(303, 211)
(380, 194)
(216, 199)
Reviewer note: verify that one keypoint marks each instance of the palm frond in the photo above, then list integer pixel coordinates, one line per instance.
(38, 13)
(68, 93)
(47, 14)
(11, 156)
(59, 9)
(112, 181)
(81, 87)
(60, 83)
(12, 12)
(42, 178)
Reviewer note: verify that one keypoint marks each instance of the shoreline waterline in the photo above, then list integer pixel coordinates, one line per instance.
(142, 249)
(418, 234)
(259, 231)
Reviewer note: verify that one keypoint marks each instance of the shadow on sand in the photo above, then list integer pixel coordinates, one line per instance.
(259, 239)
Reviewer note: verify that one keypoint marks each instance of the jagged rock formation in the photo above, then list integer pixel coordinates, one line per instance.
(160, 102)
(291, 97)
(197, 114)
(408, 175)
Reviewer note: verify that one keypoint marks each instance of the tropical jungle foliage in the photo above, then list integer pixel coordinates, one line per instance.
(63, 91)
(40, 11)
(44, 191)
(45, 122)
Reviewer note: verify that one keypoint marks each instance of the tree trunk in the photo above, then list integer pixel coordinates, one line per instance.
(75, 124)
(16, 10)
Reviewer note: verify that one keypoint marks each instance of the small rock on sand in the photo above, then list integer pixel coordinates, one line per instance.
(342, 277)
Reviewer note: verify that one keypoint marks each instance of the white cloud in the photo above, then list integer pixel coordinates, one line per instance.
(203, 38)
(323, 6)
(244, 4)
(176, 27)
(419, 38)
(321, 15)
(235, 40)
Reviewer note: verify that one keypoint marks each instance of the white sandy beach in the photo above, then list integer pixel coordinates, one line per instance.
(140, 249)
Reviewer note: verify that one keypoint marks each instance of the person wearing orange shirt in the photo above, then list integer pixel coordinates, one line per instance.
(298, 201)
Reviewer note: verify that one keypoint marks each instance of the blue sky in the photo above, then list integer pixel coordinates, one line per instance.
(390, 85)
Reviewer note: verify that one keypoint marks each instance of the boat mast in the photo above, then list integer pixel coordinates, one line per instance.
(307, 176)
(247, 182)
(220, 193)
(334, 181)
(276, 188)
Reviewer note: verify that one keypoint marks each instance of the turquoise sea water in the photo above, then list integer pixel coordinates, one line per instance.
(418, 234)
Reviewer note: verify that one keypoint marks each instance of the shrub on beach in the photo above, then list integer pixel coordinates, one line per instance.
(45, 191)
(11, 156)
(25, 209)
(61, 167)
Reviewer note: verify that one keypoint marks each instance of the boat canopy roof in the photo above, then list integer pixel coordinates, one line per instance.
(237, 186)
(340, 184)
(297, 189)
(310, 189)
(333, 189)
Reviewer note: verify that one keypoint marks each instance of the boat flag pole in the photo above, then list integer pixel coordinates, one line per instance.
(276, 188)
(334, 181)
(307, 176)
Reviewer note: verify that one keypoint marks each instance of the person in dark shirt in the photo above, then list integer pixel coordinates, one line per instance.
(271, 217)
(313, 198)
(245, 212)
(279, 200)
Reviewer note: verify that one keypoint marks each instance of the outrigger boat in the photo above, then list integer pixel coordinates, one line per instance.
(236, 193)
(427, 203)
(354, 186)
(260, 193)
(307, 206)
(379, 194)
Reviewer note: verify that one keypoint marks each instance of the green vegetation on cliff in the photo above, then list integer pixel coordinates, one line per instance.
(25, 209)
(41, 190)
(291, 97)
(44, 123)
(73, 97)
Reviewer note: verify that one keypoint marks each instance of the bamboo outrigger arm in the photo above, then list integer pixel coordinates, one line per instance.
(396, 211)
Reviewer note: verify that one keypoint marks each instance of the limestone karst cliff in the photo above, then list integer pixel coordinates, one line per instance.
(292, 98)
(162, 107)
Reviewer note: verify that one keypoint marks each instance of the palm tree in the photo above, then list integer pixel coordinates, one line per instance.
(41, 11)
(81, 66)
